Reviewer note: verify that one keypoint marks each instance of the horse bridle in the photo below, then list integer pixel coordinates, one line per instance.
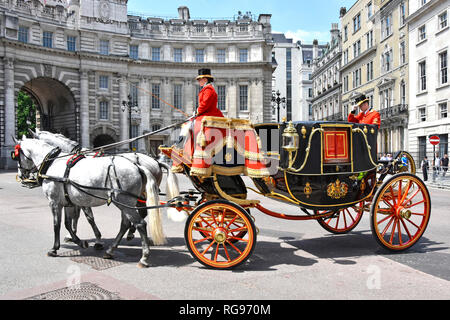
(39, 169)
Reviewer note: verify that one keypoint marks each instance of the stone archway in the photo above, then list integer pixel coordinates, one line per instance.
(102, 140)
(56, 106)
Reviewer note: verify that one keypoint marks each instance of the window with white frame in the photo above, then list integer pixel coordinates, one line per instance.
(47, 39)
(402, 92)
(345, 33)
(134, 52)
(243, 97)
(178, 96)
(422, 114)
(370, 71)
(422, 76)
(103, 82)
(386, 60)
(443, 110)
(243, 55)
(386, 26)
(71, 43)
(357, 78)
(104, 47)
(357, 23)
(345, 83)
(369, 9)
(356, 49)
(402, 52)
(156, 54)
(422, 33)
(199, 55)
(442, 18)
(443, 68)
(369, 39)
(221, 97)
(178, 55)
(402, 10)
(221, 53)
(103, 110)
(23, 34)
(134, 93)
(385, 98)
(423, 2)
(155, 96)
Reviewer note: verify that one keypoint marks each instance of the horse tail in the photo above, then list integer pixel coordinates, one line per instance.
(154, 217)
(173, 191)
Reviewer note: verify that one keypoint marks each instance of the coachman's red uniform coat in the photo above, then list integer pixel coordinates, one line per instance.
(370, 117)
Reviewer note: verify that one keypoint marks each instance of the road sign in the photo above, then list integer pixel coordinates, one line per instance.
(434, 140)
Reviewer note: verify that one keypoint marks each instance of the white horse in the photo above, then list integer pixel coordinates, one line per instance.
(70, 146)
(86, 188)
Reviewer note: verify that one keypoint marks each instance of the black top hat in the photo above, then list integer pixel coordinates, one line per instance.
(204, 73)
(361, 99)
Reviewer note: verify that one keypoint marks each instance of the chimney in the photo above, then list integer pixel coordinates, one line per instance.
(343, 11)
(183, 13)
(315, 50)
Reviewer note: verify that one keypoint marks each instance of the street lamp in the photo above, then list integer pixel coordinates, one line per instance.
(277, 101)
(130, 105)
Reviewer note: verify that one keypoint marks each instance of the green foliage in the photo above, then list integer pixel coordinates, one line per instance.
(26, 114)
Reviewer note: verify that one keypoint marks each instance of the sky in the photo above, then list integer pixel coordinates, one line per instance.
(303, 20)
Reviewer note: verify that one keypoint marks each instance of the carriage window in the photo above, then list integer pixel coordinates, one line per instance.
(336, 146)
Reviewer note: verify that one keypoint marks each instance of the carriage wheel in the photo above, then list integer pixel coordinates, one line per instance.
(220, 234)
(400, 212)
(343, 221)
(235, 235)
(411, 167)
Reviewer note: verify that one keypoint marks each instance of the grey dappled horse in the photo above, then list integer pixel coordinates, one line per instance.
(155, 167)
(92, 173)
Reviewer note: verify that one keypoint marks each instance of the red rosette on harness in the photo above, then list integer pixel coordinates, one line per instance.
(15, 155)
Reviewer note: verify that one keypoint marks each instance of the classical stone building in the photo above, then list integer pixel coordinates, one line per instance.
(326, 101)
(375, 62)
(80, 59)
(429, 95)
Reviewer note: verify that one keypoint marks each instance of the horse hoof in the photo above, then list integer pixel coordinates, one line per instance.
(84, 244)
(98, 246)
(68, 240)
(52, 254)
(143, 265)
(108, 256)
(130, 237)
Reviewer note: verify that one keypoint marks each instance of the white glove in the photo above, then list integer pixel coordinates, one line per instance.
(355, 107)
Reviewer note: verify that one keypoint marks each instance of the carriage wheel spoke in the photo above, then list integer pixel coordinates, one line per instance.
(226, 252)
(415, 225)
(238, 229)
(387, 227)
(406, 229)
(232, 221)
(399, 232)
(217, 252)
(393, 231)
(393, 196)
(410, 198)
(402, 200)
(415, 204)
(202, 240)
(234, 247)
(210, 245)
(379, 222)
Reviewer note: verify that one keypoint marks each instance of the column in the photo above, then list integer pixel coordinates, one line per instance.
(189, 98)
(232, 99)
(10, 113)
(124, 125)
(84, 108)
(144, 106)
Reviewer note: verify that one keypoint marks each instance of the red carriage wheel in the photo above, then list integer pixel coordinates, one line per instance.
(343, 221)
(400, 212)
(220, 234)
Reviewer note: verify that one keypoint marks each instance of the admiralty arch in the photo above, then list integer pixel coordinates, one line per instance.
(79, 60)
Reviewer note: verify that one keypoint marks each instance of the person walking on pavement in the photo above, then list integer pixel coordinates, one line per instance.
(444, 165)
(437, 164)
(425, 165)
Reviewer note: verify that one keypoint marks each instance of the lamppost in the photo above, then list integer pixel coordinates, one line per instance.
(277, 101)
(131, 106)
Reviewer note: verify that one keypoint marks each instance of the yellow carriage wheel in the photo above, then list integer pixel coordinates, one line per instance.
(400, 212)
(220, 234)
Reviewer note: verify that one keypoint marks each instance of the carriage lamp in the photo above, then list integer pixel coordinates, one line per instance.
(290, 141)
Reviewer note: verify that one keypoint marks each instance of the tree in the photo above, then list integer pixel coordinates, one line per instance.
(26, 114)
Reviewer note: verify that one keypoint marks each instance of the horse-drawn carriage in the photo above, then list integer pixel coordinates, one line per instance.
(328, 170)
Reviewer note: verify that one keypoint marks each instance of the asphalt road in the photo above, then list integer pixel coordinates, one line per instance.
(292, 260)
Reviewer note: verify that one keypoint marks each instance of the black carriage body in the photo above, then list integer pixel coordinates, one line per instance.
(333, 167)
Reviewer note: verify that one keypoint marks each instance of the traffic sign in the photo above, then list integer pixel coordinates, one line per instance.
(434, 140)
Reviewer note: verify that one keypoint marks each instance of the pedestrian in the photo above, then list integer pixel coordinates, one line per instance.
(425, 165)
(437, 164)
(383, 158)
(444, 165)
(389, 157)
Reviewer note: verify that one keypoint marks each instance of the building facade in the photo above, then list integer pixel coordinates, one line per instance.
(429, 95)
(326, 102)
(375, 63)
(80, 60)
(293, 77)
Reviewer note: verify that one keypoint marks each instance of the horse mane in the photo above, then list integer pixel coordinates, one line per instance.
(58, 139)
